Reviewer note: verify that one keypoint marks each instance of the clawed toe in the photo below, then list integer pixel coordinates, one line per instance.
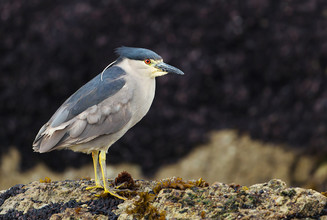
(105, 193)
(94, 187)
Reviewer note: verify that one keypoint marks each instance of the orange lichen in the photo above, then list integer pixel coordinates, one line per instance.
(201, 183)
(46, 180)
(178, 183)
(203, 214)
(245, 188)
(77, 210)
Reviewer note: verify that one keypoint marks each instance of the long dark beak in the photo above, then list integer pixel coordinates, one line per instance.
(164, 67)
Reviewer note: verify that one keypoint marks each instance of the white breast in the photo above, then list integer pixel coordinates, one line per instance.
(144, 89)
(143, 97)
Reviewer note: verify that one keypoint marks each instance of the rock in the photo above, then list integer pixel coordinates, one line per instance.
(319, 178)
(167, 198)
(53, 199)
(231, 157)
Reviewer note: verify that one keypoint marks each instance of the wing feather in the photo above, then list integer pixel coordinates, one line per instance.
(97, 108)
(92, 93)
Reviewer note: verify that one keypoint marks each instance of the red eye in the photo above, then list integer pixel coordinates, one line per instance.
(147, 61)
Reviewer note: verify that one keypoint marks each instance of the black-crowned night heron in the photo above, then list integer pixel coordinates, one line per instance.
(105, 108)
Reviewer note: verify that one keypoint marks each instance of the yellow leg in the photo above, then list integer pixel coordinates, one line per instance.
(103, 166)
(102, 158)
(95, 157)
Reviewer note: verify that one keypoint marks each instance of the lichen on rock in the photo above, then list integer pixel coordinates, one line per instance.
(164, 199)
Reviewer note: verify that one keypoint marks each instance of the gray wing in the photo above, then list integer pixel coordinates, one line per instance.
(99, 107)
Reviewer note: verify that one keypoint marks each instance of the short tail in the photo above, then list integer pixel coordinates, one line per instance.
(46, 141)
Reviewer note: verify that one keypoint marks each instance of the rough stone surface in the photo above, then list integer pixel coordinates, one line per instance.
(167, 198)
(320, 176)
(231, 157)
(55, 200)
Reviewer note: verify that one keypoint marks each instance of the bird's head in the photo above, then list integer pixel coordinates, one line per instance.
(146, 61)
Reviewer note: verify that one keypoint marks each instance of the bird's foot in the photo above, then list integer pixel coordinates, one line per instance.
(106, 193)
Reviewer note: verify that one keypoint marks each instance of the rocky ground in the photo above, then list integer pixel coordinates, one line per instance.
(167, 198)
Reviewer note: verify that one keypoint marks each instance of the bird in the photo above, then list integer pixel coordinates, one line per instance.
(105, 108)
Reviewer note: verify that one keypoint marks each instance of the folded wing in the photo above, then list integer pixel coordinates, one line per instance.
(100, 107)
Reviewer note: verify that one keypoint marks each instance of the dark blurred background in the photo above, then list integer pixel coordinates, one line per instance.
(258, 66)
